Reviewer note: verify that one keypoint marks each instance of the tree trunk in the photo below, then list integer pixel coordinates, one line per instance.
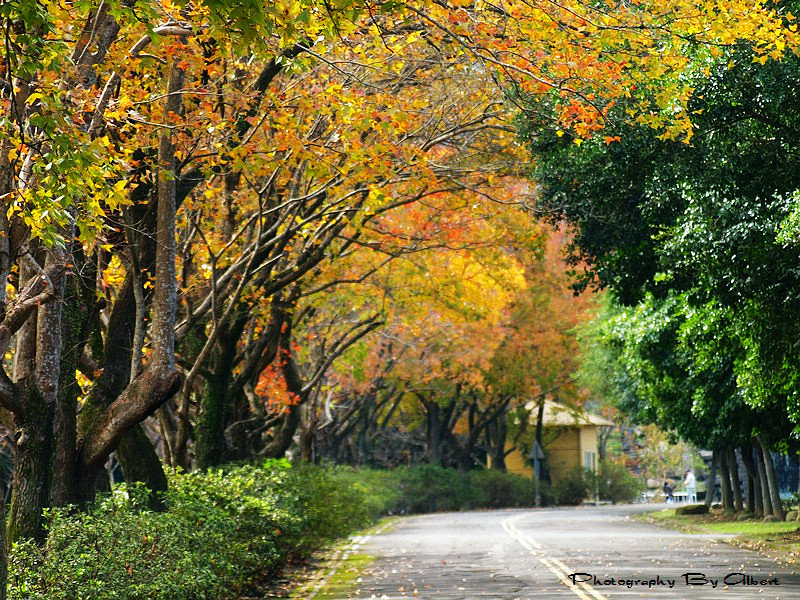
(30, 490)
(766, 499)
(466, 452)
(3, 547)
(772, 479)
(754, 502)
(37, 369)
(736, 484)
(210, 448)
(141, 464)
(499, 430)
(725, 481)
(544, 473)
(282, 441)
(75, 319)
(434, 436)
(712, 478)
(160, 379)
(215, 404)
(307, 435)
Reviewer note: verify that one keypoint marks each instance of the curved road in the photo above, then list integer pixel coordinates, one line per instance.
(591, 553)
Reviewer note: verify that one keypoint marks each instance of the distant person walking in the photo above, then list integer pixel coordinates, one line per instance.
(691, 486)
(668, 492)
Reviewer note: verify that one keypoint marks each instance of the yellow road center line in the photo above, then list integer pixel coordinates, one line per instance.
(585, 586)
(552, 564)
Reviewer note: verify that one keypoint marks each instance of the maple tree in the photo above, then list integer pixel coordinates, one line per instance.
(359, 152)
(541, 354)
(445, 379)
(440, 304)
(91, 152)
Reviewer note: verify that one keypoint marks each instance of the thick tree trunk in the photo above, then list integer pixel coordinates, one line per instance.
(140, 464)
(736, 484)
(772, 479)
(30, 489)
(750, 495)
(215, 404)
(151, 389)
(37, 368)
(210, 447)
(76, 317)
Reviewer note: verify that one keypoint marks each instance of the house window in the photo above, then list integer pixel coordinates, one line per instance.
(588, 459)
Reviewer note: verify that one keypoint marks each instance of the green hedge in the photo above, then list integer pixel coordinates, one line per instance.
(224, 527)
(612, 482)
(429, 488)
(220, 529)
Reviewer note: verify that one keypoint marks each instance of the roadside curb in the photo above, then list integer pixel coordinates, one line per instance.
(315, 584)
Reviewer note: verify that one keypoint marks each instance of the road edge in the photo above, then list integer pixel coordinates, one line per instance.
(316, 583)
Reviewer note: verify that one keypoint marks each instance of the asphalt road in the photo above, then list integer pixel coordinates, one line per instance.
(591, 553)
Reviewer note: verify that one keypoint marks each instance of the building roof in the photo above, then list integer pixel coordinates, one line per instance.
(560, 415)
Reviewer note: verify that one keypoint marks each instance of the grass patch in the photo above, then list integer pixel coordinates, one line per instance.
(668, 518)
(780, 540)
(345, 579)
(753, 527)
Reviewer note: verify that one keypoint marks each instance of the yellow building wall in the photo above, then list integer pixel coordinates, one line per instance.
(515, 463)
(589, 446)
(563, 452)
(566, 448)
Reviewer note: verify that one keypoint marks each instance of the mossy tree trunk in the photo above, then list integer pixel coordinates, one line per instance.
(75, 318)
(36, 373)
(216, 403)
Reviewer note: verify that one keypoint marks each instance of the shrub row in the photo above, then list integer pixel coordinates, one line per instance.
(220, 529)
(428, 488)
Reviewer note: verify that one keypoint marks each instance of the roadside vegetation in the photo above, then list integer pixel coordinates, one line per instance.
(612, 483)
(778, 539)
(221, 530)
